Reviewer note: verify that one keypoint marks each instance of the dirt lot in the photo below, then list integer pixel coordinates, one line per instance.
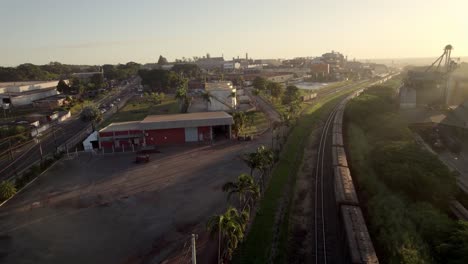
(106, 209)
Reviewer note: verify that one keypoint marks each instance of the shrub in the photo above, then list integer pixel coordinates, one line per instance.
(91, 113)
(7, 190)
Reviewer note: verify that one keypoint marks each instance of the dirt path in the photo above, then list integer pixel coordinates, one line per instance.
(301, 217)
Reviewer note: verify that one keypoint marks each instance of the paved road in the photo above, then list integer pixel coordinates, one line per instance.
(56, 136)
(264, 106)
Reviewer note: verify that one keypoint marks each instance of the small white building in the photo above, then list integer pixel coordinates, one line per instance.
(222, 96)
(88, 142)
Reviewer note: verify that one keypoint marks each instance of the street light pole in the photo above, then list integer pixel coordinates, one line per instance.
(194, 249)
(40, 144)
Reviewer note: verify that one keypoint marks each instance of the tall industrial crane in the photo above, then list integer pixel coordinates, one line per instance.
(448, 63)
(448, 67)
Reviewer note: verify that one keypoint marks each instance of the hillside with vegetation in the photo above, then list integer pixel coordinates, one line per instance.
(405, 190)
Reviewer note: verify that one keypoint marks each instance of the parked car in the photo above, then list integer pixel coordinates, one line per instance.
(142, 158)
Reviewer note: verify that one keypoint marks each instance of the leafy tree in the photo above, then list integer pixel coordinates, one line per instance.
(245, 187)
(433, 226)
(187, 70)
(240, 123)
(291, 94)
(397, 236)
(154, 98)
(419, 175)
(10, 74)
(260, 83)
(121, 71)
(33, 72)
(183, 96)
(162, 60)
(275, 89)
(63, 87)
(7, 190)
(456, 249)
(90, 113)
(262, 159)
(266, 159)
(230, 227)
(97, 80)
(252, 161)
(160, 80)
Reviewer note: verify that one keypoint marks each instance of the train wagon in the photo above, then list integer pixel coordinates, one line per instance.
(361, 249)
(342, 105)
(337, 129)
(337, 140)
(308, 97)
(344, 187)
(339, 156)
(338, 117)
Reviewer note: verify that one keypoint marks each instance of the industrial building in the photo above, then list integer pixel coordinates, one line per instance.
(158, 130)
(24, 93)
(320, 69)
(222, 96)
(210, 63)
(443, 85)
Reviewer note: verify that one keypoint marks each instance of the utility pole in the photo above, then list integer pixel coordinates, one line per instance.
(194, 249)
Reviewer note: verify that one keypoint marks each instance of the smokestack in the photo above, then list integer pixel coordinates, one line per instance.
(246, 56)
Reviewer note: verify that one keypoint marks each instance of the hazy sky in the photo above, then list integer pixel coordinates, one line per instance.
(113, 31)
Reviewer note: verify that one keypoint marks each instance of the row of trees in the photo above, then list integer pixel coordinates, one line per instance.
(231, 226)
(159, 80)
(408, 189)
(56, 70)
(289, 97)
(80, 86)
(120, 72)
(51, 71)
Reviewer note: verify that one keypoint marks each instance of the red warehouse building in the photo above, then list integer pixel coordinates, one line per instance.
(167, 129)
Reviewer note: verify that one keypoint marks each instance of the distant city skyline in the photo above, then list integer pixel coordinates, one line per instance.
(118, 31)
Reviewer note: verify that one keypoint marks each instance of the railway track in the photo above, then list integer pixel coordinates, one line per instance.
(323, 187)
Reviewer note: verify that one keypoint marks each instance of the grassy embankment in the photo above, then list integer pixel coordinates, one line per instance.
(280, 108)
(404, 190)
(257, 122)
(257, 246)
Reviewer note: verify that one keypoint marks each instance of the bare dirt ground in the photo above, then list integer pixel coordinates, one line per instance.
(106, 209)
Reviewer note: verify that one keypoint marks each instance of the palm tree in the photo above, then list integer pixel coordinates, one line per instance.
(245, 187)
(183, 96)
(266, 159)
(240, 121)
(230, 227)
(252, 161)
